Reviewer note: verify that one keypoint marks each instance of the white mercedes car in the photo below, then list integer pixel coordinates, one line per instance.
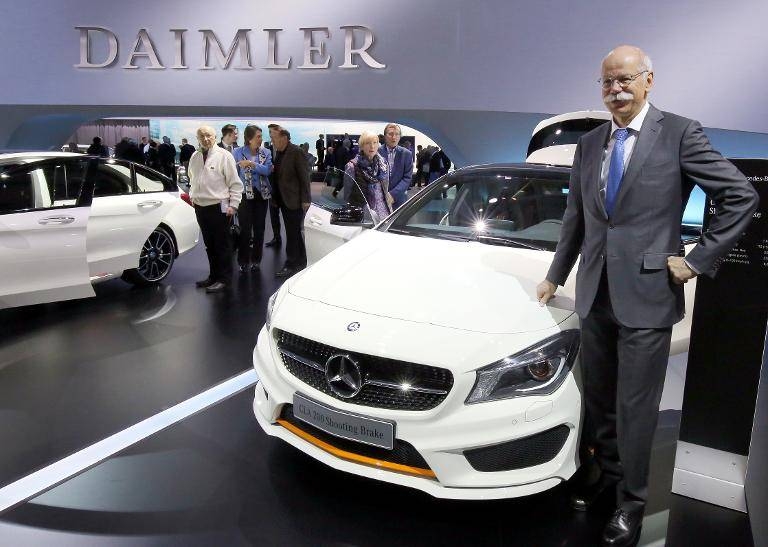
(68, 221)
(416, 353)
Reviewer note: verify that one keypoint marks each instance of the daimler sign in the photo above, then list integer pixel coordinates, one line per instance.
(213, 55)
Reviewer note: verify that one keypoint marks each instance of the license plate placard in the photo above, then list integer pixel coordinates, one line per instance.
(345, 425)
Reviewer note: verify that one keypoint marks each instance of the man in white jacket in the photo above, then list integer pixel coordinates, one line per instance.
(215, 191)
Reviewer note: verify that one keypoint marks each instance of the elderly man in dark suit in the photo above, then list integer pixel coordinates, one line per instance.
(399, 164)
(629, 185)
(291, 194)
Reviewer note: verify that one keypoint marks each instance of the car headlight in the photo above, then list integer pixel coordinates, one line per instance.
(536, 370)
(270, 307)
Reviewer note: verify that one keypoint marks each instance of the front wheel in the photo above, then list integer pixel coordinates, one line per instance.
(155, 261)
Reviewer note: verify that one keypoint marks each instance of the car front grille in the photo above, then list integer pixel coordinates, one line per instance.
(520, 453)
(387, 383)
(402, 453)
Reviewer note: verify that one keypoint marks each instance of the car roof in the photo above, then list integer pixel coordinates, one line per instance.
(579, 115)
(28, 157)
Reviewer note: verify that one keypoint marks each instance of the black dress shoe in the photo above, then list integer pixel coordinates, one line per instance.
(585, 493)
(207, 282)
(243, 268)
(255, 267)
(216, 287)
(285, 272)
(623, 529)
(274, 243)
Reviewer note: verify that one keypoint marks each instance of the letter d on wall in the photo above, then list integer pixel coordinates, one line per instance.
(85, 47)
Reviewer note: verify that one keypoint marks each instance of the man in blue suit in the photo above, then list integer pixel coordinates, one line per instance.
(399, 164)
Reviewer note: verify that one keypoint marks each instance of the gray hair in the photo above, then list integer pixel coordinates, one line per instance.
(646, 63)
(386, 128)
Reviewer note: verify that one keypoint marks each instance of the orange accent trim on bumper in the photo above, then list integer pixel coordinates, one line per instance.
(351, 456)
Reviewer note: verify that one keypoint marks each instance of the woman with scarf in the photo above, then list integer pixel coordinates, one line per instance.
(254, 164)
(369, 171)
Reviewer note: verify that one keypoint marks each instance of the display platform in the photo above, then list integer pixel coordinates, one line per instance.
(74, 373)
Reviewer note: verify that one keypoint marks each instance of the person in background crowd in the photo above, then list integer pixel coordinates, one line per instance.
(346, 142)
(292, 193)
(167, 156)
(438, 164)
(185, 153)
(428, 151)
(254, 165)
(368, 170)
(274, 210)
(127, 149)
(72, 147)
(311, 160)
(399, 164)
(215, 191)
(418, 177)
(144, 147)
(320, 148)
(153, 158)
(228, 137)
(635, 175)
(97, 149)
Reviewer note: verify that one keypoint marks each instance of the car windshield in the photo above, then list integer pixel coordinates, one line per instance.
(511, 206)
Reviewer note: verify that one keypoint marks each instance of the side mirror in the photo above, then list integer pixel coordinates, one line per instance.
(351, 215)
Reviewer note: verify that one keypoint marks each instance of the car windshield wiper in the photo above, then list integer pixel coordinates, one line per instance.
(506, 241)
(401, 231)
(435, 235)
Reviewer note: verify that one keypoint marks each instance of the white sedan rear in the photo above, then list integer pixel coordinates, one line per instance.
(68, 221)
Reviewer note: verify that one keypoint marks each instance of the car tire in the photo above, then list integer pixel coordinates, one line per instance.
(156, 259)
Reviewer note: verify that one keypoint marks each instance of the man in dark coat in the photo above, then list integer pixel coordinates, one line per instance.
(167, 155)
(292, 195)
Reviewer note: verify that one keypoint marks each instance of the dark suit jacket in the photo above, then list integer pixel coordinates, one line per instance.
(402, 169)
(670, 156)
(293, 177)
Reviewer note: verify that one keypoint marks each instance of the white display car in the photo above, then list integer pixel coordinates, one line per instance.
(416, 353)
(68, 221)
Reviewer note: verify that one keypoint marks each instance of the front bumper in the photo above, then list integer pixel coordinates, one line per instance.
(440, 436)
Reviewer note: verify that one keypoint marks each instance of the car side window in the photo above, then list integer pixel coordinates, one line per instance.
(149, 181)
(33, 187)
(112, 179)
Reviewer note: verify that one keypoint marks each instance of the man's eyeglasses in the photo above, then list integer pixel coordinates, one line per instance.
(624, 81)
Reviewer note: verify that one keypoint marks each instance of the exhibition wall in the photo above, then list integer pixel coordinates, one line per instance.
(449, 69)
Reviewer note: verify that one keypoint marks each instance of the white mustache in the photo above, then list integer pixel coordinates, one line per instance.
(620, 96)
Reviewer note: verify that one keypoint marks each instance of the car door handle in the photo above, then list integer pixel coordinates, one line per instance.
(56, 220)
(151, 204)
(315, 221)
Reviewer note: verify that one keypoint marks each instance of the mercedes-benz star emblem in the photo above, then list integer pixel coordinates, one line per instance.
(352, 327)
(343, 376)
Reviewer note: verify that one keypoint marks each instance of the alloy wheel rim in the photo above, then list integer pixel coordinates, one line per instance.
(156, 256)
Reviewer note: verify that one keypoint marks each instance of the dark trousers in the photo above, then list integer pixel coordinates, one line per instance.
(295, 251)
(214, 226)
(623, 372)
(274, 219)
(252, 215)
(320, 158)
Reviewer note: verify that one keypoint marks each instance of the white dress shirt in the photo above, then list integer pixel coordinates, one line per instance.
(629, 145)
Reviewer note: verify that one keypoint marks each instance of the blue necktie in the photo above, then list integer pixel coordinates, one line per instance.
(615, 170)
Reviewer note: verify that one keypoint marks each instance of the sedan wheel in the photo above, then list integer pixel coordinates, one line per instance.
(155, 261)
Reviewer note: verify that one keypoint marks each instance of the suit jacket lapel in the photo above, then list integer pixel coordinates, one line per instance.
(649, 132)
(595, 166)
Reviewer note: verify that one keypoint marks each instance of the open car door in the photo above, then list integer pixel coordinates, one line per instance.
(339, 212)
(43, 256)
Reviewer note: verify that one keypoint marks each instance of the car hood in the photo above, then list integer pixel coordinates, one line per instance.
(460, 285)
